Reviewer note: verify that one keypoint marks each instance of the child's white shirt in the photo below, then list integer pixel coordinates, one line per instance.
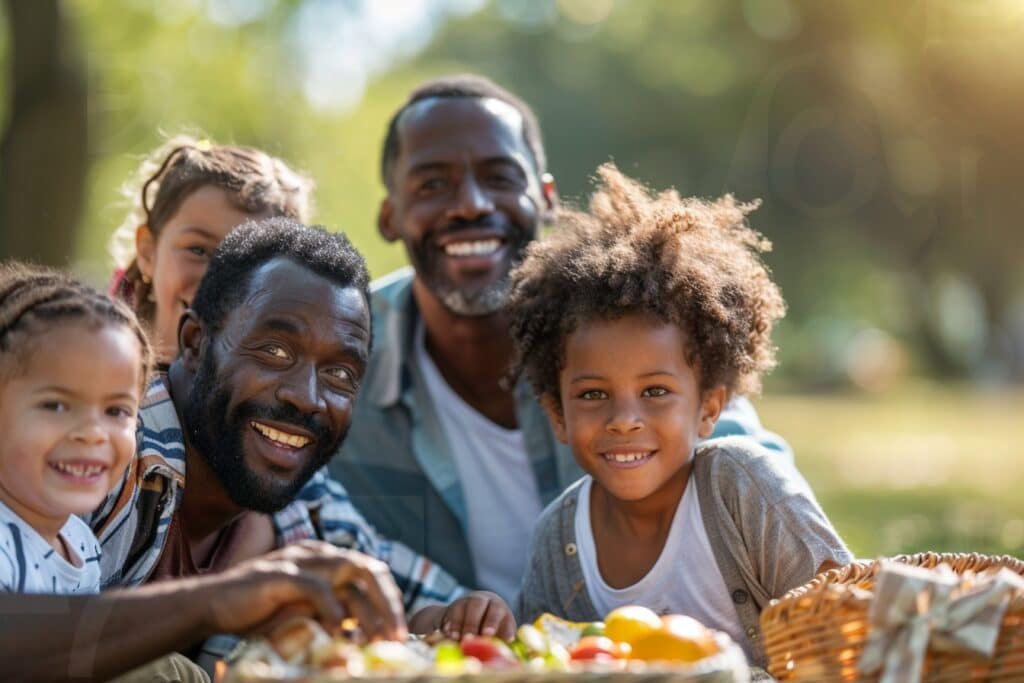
(29, 564)
(684, 580)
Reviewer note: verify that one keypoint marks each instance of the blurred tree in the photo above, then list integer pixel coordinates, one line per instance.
(43, 151)
(883, 138)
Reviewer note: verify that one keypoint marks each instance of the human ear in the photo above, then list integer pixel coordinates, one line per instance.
(191, 335)
(385, 217)
(549, 191)
(555, 416)
(711, 405)
(145, 250)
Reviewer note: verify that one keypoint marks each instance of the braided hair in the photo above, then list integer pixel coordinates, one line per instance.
(34, 298)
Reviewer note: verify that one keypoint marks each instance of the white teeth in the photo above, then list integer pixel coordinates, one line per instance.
(472, 248)
(626, 457)
(79, 470)
(293, 440)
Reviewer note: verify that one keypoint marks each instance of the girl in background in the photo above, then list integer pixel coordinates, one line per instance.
(189, 194)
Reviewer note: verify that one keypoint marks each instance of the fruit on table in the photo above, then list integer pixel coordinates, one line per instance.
(532, 639)
(679, 639)
(598, 648)
(490, 651)
(561, 631)
(627, 624)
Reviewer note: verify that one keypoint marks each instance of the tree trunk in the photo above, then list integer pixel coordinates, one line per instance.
(43, 152)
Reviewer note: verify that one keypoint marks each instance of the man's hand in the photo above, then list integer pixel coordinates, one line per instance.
(477, 613)
(310, 578)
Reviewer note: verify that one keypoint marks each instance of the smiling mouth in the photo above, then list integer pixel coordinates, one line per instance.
(79, 470)
(279, 437)
(479, 247)
(628, 458)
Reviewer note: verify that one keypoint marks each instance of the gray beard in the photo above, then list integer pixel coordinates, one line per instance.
(484, 302)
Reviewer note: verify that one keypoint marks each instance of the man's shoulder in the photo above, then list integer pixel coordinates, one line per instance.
(390, 291)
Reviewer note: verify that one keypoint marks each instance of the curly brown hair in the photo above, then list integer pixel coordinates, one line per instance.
(689, 262)
(255, 182)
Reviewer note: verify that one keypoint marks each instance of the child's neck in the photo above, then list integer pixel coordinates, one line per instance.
(46, 526)
(630, 536)
(646, 516)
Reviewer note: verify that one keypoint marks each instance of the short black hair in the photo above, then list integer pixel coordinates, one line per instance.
(464, 85)
(328, 254)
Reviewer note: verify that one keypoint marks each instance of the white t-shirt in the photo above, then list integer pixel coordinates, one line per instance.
(28, 564)
(498, 484)
(684, 580)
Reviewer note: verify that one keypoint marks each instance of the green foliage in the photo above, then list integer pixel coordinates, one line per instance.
(883, 139)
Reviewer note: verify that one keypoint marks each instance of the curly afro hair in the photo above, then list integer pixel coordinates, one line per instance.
(689, 262)
(328, 254)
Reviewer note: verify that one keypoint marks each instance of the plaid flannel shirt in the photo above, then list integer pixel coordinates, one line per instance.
(396, 450)
(132, 523)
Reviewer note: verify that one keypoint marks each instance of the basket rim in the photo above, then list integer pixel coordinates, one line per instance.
(859, 571)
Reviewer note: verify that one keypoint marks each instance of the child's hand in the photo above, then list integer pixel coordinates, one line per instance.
(478, 613)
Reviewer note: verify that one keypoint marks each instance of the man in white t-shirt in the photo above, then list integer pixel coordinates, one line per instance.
(442, 454)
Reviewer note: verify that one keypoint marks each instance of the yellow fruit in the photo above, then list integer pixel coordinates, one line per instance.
(680, 639)
(627, 624)
(558, 630)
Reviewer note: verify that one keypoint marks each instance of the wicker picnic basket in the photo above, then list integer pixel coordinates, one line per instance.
(817, 632)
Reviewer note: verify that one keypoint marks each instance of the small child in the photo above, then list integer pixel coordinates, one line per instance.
(189, 195)
(73, 366)
(635, 323)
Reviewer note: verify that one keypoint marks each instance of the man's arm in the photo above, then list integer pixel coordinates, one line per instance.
(96, 637)
(421, 581)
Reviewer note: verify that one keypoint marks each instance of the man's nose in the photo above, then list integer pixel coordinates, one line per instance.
(301, 389)
(471, 200)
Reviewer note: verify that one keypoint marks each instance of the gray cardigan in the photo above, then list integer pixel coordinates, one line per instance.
(767, 532)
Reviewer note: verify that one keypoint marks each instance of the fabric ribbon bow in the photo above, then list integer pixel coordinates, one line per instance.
(915, 607)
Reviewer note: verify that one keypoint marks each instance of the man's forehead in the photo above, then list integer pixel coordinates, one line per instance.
(282, 285)
(437, 120)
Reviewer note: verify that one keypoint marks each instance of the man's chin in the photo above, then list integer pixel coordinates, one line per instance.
(475, 302)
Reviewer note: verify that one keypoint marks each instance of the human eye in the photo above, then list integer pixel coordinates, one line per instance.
(503, 180)
(343, 376)
(276, 350)
(431, 184)
(121, 411)
(593, 395)
(654, 392)
(54, 406)
(198, 250)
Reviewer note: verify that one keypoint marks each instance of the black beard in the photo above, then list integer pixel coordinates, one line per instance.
(462, 300)
(217, 437)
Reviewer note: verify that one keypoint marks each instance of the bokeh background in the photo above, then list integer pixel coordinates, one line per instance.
(886, 141)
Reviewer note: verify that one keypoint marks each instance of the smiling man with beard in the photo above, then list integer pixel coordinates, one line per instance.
(443, 454)
(231, 440)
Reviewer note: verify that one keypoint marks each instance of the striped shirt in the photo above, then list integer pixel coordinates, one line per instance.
(132, 523)
(29, 564)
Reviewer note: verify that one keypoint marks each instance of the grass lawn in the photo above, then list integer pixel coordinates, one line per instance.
(924, 468)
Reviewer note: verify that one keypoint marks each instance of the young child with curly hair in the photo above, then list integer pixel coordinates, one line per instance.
(635, 322)
(185, 198)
